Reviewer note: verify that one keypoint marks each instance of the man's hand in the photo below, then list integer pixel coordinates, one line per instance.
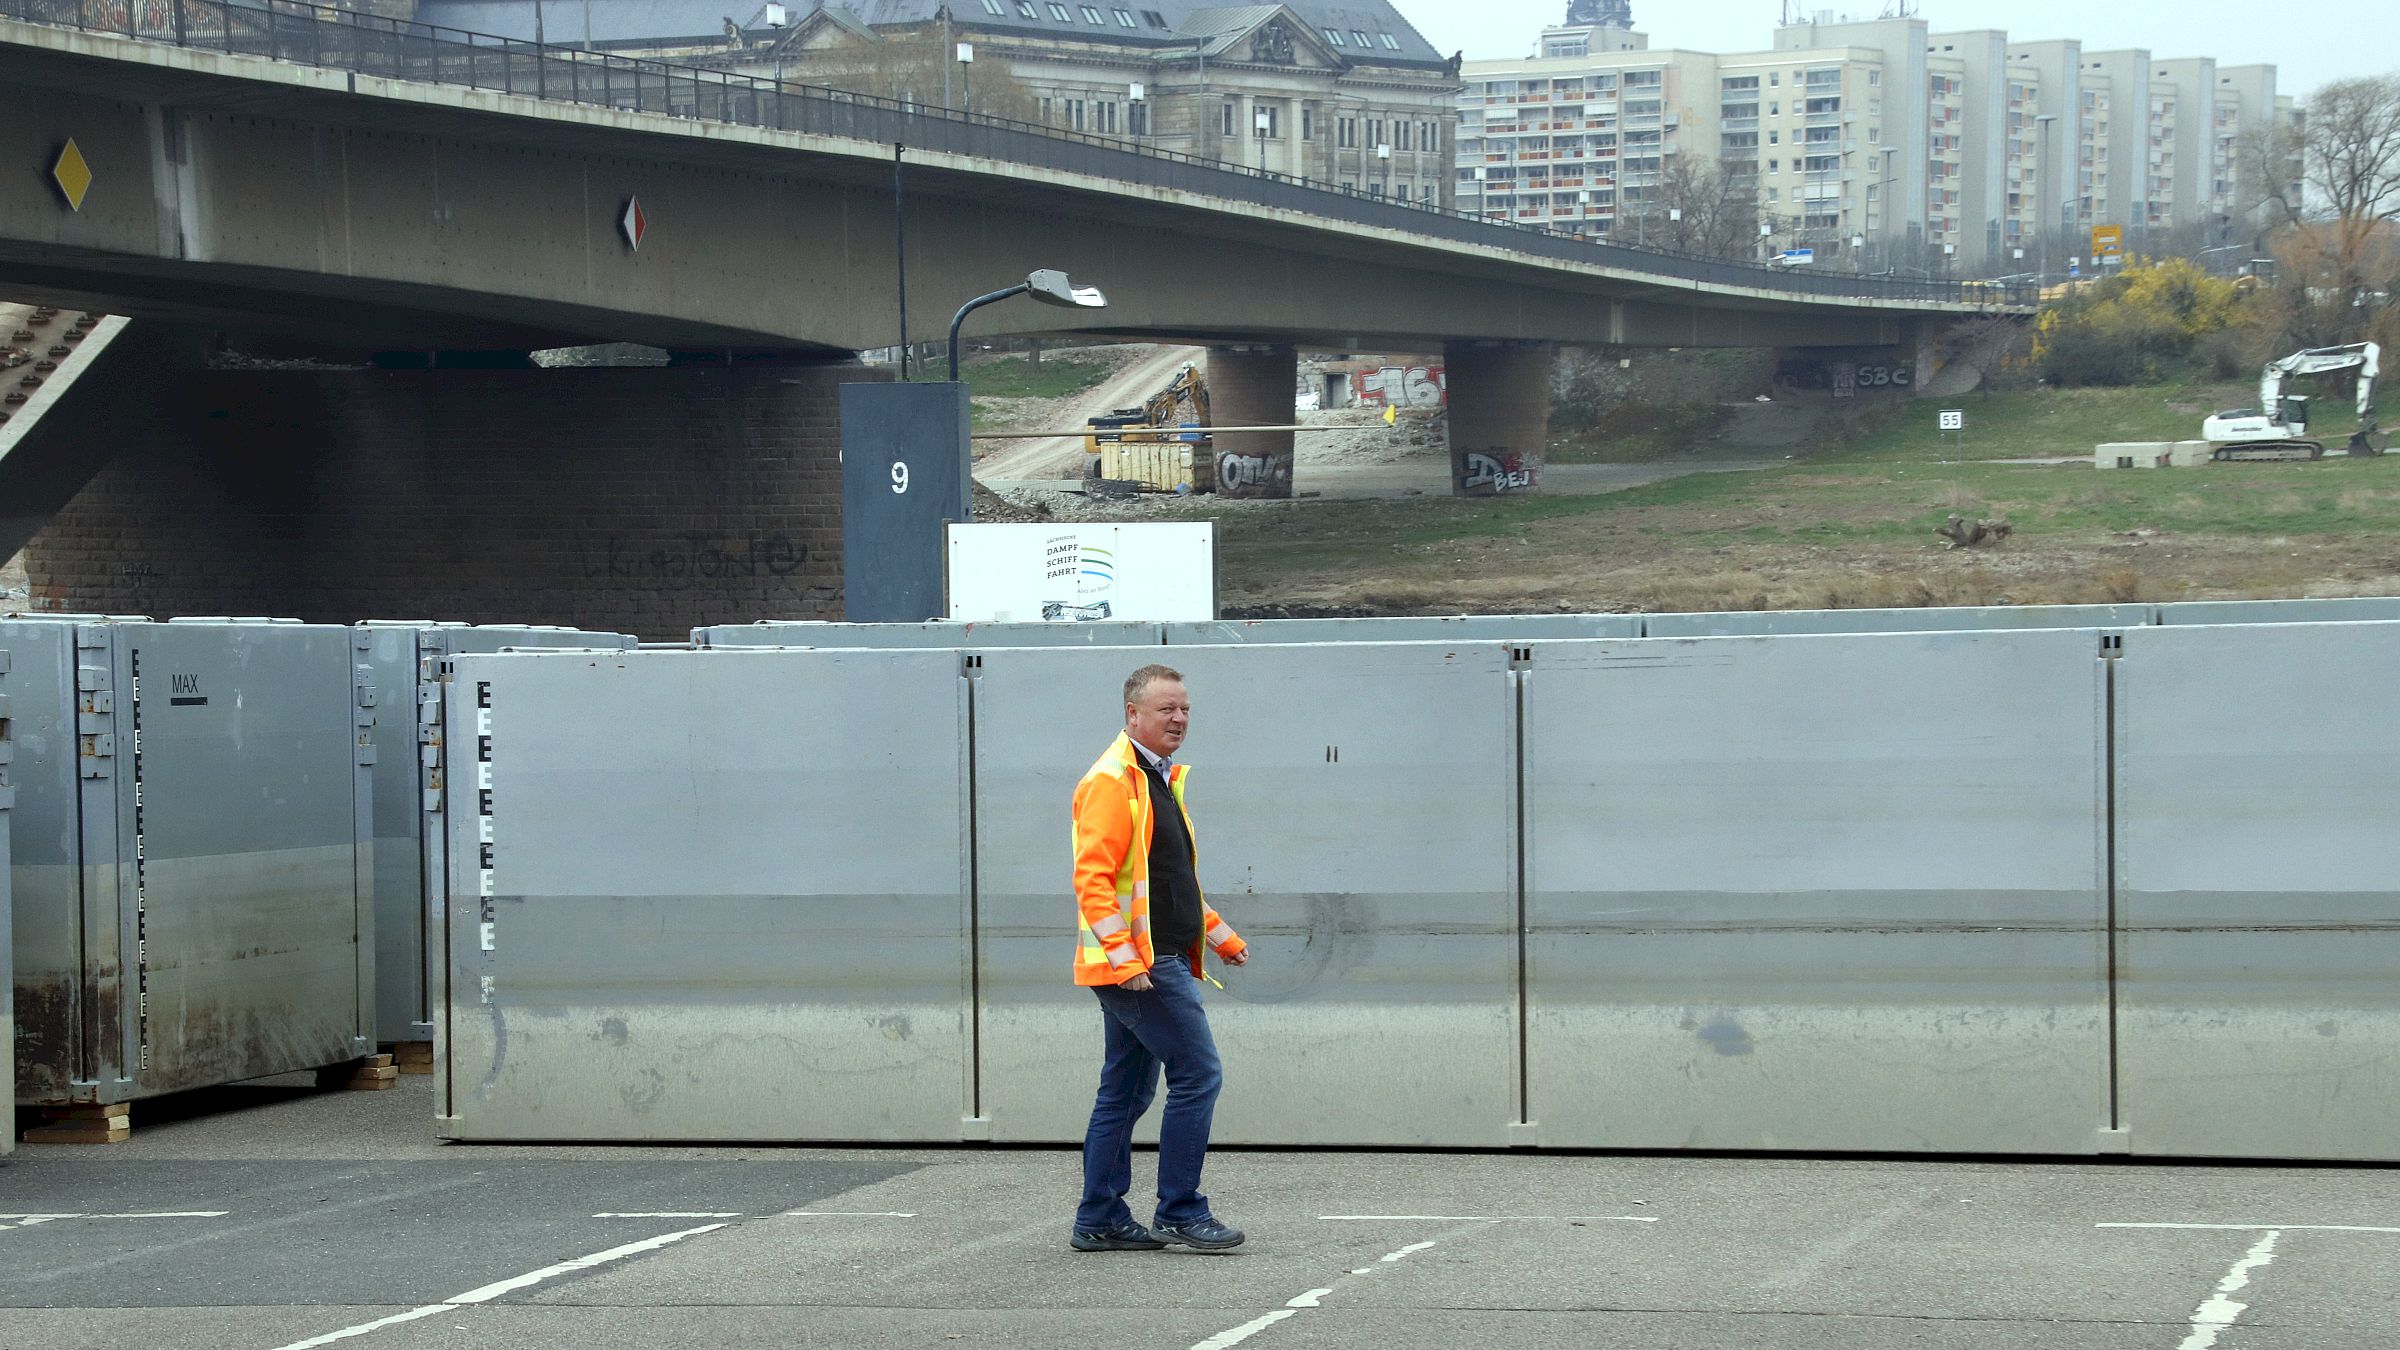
(1137, 983)
(1240, 958)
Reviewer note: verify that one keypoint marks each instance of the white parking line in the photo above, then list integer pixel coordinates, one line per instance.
(1487, 1218)
(491, 1291)
(844, 1214)
(668, 1214)
(1315, 1298)
(2219, 1311)
(2259, 1227)
(29, 1220)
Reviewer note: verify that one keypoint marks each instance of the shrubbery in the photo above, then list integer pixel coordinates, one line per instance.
(2150, 322)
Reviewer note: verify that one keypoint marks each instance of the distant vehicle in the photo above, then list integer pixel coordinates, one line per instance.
(2278, 428)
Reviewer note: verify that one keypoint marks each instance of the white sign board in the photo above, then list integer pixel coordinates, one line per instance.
(1954, 419)
(1070, 573)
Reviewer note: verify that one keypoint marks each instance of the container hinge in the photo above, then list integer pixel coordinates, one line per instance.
(1520, 657)
(2112, 646)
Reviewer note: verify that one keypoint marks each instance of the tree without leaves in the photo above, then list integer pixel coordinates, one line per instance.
(1697, 206)
(2333, 188)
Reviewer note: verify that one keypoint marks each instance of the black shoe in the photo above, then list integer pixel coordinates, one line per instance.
(1125, 1237)
(1204, 1234)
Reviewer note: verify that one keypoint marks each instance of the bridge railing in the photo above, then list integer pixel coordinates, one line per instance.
(367, 44)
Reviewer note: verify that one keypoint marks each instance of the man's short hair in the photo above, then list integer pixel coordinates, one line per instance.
(1139, 682)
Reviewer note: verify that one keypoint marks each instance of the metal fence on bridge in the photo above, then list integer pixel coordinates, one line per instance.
(366, 44)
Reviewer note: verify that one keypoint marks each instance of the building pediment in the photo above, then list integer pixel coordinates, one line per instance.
(1264, 35)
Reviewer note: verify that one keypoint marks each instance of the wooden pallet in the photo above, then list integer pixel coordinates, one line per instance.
(84, 1124)
(413, 1057)
(375, 1073)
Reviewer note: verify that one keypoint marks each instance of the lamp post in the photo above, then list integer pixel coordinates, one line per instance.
(1260, 119)
(1049, 286)
(1137, 121)
(966, 76)
(2050, 174)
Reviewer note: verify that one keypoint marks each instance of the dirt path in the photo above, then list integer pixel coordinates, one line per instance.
(1062, 457)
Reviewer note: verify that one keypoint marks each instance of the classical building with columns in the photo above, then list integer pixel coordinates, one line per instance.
(1345, 93)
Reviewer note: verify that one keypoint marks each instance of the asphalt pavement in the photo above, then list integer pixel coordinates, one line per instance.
(275, 1216)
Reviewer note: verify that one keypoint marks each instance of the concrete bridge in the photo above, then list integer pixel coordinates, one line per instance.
(446, 191)
(359, 186)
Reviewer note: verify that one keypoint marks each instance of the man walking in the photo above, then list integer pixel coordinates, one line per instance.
(1143, 923)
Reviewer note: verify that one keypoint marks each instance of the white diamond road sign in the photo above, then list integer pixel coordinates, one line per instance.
(635, 223)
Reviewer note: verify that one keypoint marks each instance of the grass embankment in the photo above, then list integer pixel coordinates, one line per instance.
(992, 378)
(1851, 524)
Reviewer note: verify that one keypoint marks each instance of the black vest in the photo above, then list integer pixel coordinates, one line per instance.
(1174, 883)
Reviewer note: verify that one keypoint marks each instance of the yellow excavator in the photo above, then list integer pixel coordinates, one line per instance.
(2277, 429)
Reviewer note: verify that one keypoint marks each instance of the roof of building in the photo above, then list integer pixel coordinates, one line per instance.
(1373, 31)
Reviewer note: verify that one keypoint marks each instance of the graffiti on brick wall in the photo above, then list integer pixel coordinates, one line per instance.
(1402, 386)
(1260, 474)
(1845, 378)
(698, 559)
(1495, 471)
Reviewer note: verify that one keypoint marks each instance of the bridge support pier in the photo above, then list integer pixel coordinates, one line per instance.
(1499, 415)
(1253, 387)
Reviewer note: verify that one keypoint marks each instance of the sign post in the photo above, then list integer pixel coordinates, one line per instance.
(1954, 428)
(904, 478)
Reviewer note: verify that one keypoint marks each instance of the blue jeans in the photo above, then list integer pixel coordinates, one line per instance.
(1163, 1025)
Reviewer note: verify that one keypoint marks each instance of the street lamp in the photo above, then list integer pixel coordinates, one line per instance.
(2050, 171)
(1137, 121)
(1048, 286)
(966, 76)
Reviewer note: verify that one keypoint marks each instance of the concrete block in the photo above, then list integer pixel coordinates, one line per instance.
(2188, 454)
(2131, 455)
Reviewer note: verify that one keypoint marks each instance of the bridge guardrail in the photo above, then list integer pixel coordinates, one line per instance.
(367, 44)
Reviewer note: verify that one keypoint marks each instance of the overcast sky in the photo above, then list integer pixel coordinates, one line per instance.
(2309, 43)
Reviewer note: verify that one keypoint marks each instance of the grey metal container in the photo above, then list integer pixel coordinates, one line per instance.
(2339, 610)
(2258, 891)
(8, 800)
(1354, 813)
(948, 636)
(1930, 619)
(1455, 628)
(193, 855)
(707, 895)
(1818, 893)
(404, 661)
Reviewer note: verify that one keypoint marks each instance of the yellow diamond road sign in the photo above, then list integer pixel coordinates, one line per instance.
(73, 175)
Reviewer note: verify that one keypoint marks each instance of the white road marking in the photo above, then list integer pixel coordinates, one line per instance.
(495, 1289)
(1804, 1270)
(2259, 1227)
(1315, 1298)
(668, 1214)
(29, 1220)
(2219, 1312)
(844, 1214)
(1487, 1218)
(1245, 1331)
(160, 1214)
(1309, 1299)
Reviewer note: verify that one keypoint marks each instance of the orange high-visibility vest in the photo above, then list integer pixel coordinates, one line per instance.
(1113, 823)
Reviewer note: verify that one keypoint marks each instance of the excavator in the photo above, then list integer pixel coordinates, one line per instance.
(2278, 428)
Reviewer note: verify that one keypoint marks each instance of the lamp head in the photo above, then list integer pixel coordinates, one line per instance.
(1051, 287)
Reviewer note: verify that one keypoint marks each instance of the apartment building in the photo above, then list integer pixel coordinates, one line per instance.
(1875, 144)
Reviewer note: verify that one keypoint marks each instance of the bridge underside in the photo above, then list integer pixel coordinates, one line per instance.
(249, 194)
